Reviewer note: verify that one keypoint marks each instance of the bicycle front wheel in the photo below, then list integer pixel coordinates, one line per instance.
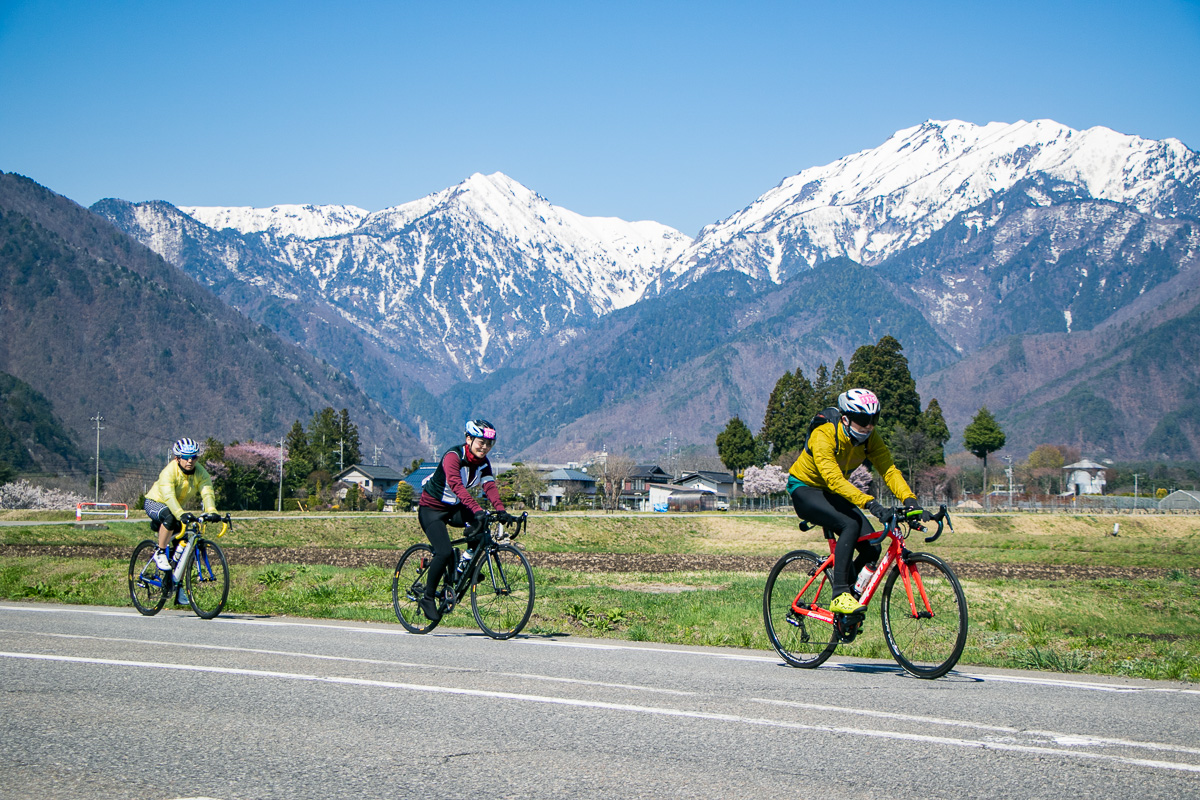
(147, 583)
(206, 579)
(408, 587)
(925, 618)
(502, 592)
(802, 641)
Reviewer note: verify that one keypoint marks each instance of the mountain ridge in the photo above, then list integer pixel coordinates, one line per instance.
(985, 232)
(99, 324)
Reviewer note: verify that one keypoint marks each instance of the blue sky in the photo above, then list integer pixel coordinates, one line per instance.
(680, 112)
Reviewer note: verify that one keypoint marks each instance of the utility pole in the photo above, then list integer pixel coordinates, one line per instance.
(375, 461)
(1009, 471)
(280, 506)
(98, 419)
(341, 454)
(1135, 491)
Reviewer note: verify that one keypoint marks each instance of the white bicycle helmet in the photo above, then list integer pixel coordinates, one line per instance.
(860, 406)
(185, 448)
(480, 429)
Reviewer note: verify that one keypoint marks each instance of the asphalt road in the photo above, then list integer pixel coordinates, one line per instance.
(104, 703)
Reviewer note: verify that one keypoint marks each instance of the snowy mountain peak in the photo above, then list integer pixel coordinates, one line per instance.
(872, 204)
(302, 221)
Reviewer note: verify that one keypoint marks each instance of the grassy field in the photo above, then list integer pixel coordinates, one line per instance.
(1148, 627)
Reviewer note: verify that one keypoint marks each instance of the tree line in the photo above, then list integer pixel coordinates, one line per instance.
(915, 436)
(246, 475)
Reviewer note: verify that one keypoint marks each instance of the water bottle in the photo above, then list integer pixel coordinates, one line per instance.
(864, 577)
(464, 562)
(179, 551)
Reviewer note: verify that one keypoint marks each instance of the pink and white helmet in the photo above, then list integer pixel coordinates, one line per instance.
(860, 405)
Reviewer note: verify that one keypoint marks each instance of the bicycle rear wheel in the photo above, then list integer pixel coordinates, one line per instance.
(206, 579)
(408, 587)
(147, 583)
(502, 592)
(929, 642)
(802, 641)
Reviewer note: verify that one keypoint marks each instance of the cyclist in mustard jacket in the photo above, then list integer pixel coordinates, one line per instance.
(823, 496)
(178, 483)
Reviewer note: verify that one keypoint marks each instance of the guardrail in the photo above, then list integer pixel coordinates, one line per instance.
(101, 509)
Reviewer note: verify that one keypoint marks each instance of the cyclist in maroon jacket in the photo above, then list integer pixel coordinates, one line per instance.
(446, 501)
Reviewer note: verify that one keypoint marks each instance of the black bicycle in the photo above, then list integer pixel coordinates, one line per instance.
(200, 569)
(497, 576)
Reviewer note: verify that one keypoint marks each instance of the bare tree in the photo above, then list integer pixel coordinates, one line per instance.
(616, 471)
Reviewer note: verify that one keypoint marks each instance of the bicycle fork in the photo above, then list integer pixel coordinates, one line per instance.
(912, 577)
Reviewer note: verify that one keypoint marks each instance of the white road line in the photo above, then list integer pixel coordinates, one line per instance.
(382, 662)
(1065, 739)
(596, 645)
(629, 708)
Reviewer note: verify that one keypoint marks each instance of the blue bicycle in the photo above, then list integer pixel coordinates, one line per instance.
(199, 569)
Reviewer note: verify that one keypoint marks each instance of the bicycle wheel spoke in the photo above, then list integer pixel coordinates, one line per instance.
(147, 583)
(207, 579)
(925, 616)
(801, 640)
(502, 594)
(408, 587)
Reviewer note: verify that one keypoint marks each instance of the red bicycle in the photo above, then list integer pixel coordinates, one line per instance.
(924, 610)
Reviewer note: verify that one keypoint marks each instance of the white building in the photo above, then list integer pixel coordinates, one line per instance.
(1084, 477)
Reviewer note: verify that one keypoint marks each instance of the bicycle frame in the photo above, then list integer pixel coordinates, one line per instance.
(483, 545)
(194, 533)
(894, 555)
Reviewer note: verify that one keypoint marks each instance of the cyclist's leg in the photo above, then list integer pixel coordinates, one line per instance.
(163, 523)
(433, 523)
(834, 512)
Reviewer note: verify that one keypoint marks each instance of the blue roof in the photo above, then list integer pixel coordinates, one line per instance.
(570, 475)
(422, 472)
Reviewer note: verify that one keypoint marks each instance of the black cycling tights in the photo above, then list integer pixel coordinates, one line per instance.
(434, 523)
(847, 521)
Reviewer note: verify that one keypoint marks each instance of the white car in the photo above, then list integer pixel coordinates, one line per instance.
(722, 505)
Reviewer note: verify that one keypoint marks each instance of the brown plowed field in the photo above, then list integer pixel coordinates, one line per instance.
(585, 562)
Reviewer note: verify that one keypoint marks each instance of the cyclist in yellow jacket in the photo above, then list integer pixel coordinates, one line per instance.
(178, 483)
(823, 496)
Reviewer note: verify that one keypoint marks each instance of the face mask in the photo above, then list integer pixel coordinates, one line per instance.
(855, 436)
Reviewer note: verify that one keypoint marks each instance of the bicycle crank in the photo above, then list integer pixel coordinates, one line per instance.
(848, 626)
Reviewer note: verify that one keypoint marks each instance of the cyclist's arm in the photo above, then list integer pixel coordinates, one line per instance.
(822, 444)
(881, 458)
(451, 464)
(490, 488)
(207, 497)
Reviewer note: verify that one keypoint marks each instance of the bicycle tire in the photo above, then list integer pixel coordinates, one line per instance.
(502, 592)
(926, 646)
(206, 579)
(801, 641)
(408, 587)
(147, 583)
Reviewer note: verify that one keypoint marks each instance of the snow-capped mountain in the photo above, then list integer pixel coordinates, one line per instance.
(970, 236)
(871, 205)
(462, 276)
(305, 222)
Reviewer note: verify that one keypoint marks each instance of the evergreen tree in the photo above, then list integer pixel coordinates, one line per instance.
(735, 446)
(983, 436)
(933, 425)
(821, 390)
(351, 446)
(787, 415)
(837, 385)
(883, 369)
(324, 435)
(297, 442)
